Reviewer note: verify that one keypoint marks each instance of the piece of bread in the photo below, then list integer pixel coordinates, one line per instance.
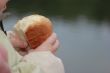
(36, 28)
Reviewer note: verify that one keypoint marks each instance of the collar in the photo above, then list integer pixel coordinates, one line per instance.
(1, 27)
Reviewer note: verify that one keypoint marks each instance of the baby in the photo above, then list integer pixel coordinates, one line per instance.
(41, 60)
(30, 32)
(36, 58)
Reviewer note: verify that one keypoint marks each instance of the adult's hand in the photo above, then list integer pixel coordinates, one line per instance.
(51, 44)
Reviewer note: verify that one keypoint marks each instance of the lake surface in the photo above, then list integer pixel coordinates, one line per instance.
(85, 45)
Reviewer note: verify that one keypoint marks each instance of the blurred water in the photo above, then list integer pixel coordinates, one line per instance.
(85, 45)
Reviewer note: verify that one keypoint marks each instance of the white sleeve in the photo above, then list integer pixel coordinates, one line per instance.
(46, 61)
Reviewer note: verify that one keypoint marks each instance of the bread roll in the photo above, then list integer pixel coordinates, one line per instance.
(36, 28)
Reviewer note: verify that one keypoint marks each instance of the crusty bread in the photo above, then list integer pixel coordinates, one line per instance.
(36, 28)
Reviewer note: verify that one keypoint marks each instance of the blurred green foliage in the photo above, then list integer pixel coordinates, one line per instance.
(96, 9)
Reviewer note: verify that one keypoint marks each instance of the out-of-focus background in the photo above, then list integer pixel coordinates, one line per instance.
(82, 26)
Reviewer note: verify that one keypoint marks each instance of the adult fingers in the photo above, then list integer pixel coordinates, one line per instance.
(51, 40)
(55, 46)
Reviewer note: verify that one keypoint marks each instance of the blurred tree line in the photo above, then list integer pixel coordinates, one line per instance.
(96, 9)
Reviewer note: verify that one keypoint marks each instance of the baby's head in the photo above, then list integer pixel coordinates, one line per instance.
(30, 32)
(35, 29)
